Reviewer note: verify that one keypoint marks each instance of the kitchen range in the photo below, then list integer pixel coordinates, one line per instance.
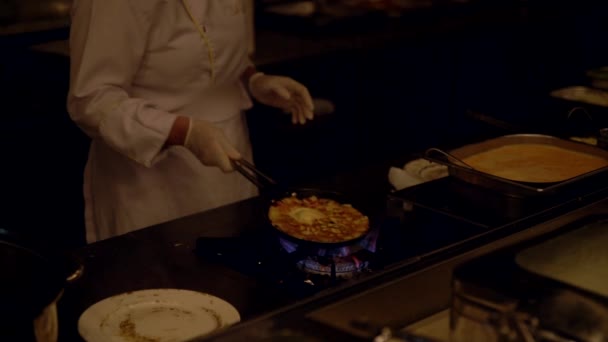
(392, 278)
(406, 291)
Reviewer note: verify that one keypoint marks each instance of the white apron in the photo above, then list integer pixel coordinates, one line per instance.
(135, 65)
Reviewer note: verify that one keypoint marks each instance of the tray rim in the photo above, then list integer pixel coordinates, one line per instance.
(517, 187)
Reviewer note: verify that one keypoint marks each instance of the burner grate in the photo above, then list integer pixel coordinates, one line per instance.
(344, 268)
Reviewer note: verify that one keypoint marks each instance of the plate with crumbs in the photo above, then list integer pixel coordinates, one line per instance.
(160, 315)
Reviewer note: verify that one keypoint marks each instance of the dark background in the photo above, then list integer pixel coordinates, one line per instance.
(396, 95)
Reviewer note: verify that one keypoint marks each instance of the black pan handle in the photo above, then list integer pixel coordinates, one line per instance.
(255, 176)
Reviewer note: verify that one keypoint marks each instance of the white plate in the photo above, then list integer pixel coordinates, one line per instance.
(162, 315)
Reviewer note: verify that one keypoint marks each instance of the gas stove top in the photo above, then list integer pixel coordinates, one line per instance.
(296, 271)
(299, 272)
(427, 231)
(419, 222)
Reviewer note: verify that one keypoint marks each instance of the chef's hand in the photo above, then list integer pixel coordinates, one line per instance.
(284, 93)
(209, 144)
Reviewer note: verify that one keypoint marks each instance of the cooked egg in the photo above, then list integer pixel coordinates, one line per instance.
(306, 215)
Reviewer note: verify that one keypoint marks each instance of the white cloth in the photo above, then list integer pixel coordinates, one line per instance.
(135, 65)
(415, 172)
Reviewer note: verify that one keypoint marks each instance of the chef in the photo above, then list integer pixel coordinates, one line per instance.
(160, 86)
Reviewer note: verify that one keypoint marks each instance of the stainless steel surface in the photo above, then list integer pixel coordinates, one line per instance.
(551, 288)
(485, 314)
(436, 326)
(516, 188)
(427, 292)
(389, 335)
(452, 158)
(578, 258)
(482, 318)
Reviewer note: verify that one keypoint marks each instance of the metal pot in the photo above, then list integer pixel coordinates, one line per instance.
(33, 280)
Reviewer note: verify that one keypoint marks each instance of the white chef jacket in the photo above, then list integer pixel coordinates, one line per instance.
(135, 66)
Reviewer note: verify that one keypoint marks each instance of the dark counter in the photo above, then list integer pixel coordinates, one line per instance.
(163, 256)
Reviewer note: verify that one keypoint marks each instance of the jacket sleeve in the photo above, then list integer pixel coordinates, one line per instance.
(107, 44)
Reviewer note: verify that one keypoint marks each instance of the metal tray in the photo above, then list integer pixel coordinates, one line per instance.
(578, 258)
(517, 188)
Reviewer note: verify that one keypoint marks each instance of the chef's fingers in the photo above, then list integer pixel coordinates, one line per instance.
(229, 150)
(294, 115)
(298, 114)
(303, 95)
(297, 107)
(307, 113)
(225, 164)
(217, 155)
(299, 110)
(307, 107)
(301, 115)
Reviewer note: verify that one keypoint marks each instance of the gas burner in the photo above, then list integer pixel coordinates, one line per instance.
(342, 262)
(319, 250)
(366, 243)
(341, 267)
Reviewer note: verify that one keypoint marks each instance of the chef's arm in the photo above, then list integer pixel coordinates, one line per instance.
(104, 61)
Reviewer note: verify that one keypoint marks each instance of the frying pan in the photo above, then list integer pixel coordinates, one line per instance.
(272, 192)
